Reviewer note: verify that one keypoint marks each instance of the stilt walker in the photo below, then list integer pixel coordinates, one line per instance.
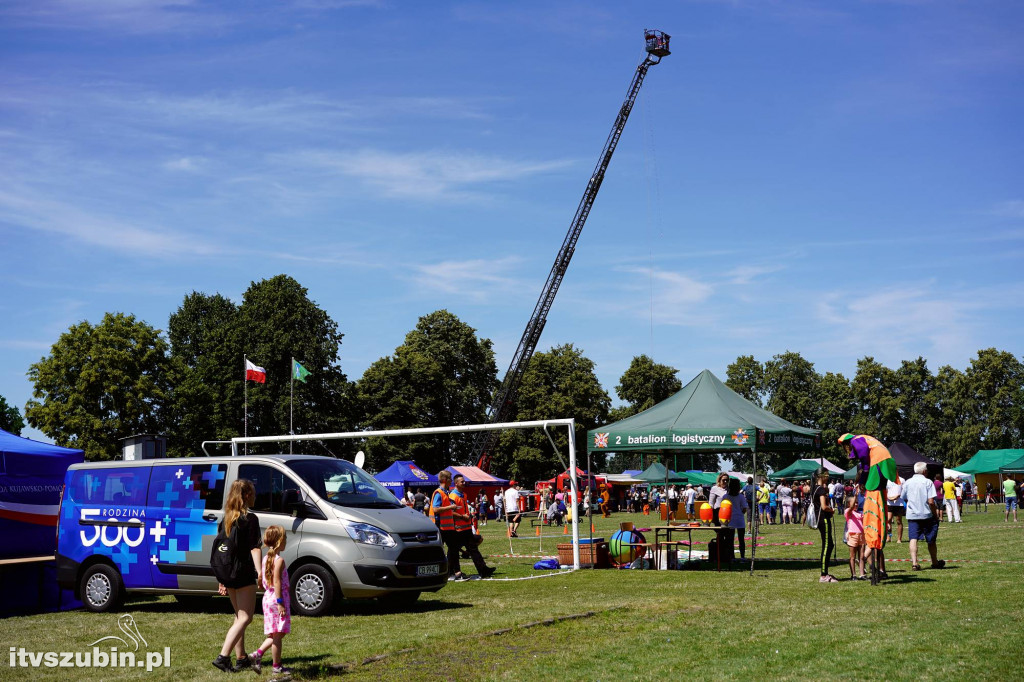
(875, 468)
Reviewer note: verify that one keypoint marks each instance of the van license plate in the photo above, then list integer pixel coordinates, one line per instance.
(432, 569)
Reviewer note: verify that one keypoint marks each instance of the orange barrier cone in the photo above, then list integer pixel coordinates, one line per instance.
(565, 530)
(538, 531)
(592, 530)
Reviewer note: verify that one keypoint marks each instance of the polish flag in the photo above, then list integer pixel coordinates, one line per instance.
(255, 373)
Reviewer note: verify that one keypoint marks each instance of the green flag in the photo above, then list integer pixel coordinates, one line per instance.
(299, 372)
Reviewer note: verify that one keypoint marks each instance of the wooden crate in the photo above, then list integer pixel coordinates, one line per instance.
(590, 554)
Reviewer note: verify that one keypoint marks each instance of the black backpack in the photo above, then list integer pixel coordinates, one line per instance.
(225, 559)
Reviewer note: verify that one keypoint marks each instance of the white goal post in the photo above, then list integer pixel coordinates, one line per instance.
(570, 425)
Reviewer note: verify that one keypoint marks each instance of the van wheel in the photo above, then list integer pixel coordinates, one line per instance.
(313, 590)
(101, 588)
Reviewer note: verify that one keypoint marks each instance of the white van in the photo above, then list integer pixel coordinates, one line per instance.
(148, 526)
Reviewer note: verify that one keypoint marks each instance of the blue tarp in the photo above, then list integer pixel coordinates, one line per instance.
(31, 478)
(404, 473)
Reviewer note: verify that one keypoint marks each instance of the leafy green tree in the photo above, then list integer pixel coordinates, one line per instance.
(789, 384)
(995, 379)
(876, 401)
(954, 434)
(789, 381)
(10, 418)
(206, 396)
(746, 377)
(442, 375)
(834, 411)
(646, 383)
(100, 384)
(557, 384)
(913, 385)
(276, 322)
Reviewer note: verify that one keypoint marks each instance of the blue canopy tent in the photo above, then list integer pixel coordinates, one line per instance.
(31, 478)
(31, 481)
(405, 473)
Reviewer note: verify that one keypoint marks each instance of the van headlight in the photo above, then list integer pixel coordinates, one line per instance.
(369, 535)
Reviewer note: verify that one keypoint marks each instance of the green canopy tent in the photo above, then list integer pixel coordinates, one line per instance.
(705, 416)
(701, 477)
(851, 474)
(658, 473)
(1014, 467)
(989, 461)
(805, 468)
(986, 466)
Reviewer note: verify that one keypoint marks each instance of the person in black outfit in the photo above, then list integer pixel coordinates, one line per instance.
(419, 501)
(242, 591)
(826, 528)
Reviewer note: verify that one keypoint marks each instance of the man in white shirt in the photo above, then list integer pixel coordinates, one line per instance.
(689, 495)
(919, 495)
(512, 513)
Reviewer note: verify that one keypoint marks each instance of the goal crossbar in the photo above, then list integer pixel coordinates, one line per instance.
(570, 425)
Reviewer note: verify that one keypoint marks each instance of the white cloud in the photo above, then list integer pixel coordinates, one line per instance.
(895, 324)
(132, 16)
(27, 211)
(1009, 209)
(435, 175)
(672, 298)
(746, 274)
(476, 279)
(185, 164)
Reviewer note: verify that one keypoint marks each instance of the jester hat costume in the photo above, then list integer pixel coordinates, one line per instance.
(875, 468)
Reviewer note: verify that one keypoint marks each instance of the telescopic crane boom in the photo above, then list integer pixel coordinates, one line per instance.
(504, 400)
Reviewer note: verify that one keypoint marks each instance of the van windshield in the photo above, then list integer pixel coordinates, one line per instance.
(343, 483)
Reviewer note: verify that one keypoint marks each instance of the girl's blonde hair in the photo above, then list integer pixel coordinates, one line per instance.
(275, 539)
(723, 480)
(241, 492)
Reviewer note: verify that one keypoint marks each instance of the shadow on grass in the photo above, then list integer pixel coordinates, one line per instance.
(373, 607)
(222, 605)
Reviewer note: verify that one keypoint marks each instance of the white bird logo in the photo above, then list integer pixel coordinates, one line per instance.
(127, 625)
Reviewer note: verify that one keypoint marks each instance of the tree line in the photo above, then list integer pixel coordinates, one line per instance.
(121, 377)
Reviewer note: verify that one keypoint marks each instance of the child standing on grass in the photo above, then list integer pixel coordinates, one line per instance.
(277, 619)
(855, 534)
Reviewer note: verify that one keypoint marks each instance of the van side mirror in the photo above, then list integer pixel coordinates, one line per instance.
(292, 503)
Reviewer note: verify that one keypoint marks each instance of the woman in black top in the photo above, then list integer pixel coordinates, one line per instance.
(825, 513)
(242, 590)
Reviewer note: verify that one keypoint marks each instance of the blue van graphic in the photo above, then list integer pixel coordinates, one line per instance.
(149, 521)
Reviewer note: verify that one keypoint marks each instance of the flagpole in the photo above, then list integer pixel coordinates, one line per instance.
(245, 392)
(291, 404)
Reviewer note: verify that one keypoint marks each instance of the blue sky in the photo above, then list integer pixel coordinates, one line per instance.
(836, 178)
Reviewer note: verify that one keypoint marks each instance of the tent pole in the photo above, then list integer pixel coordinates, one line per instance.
(753, 514)
(590, 511)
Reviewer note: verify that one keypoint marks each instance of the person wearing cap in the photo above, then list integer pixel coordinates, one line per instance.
(512, 513)
(689, 495)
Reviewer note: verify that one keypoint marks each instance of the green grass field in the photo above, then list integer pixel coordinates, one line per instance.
(963, 622)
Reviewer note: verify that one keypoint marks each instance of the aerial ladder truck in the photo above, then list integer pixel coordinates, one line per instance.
(503, 406)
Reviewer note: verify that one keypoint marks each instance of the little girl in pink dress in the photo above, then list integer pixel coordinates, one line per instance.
(855, 532)
(277, 619)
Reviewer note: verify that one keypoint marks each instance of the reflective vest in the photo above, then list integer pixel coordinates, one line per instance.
(461, 507)
(445, 520)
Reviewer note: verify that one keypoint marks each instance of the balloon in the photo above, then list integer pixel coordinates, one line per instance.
(706, 512)
(725, 511)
